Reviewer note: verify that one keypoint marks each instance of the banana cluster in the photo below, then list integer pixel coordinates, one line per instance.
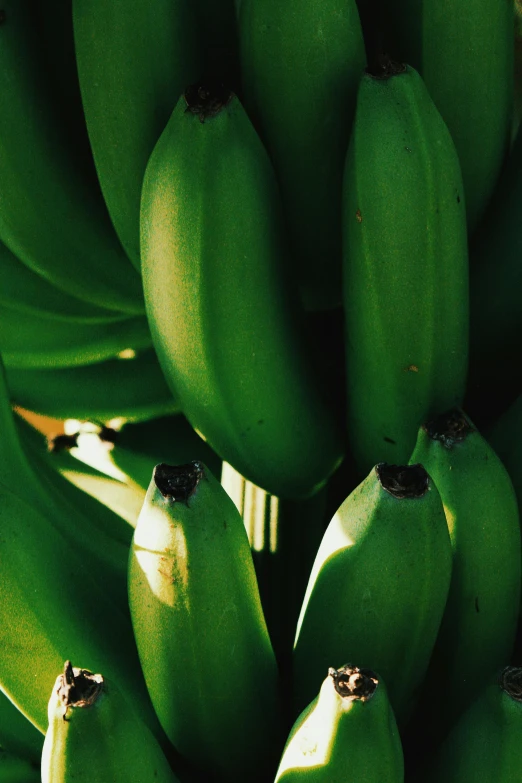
(267, 257)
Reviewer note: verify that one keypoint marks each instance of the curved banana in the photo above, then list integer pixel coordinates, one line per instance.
(301, 64)
(202, 638)
(133, 388)
(405, 268)
(479, 624)
(95, 735)
(51, 606)
(81, 528)
(14, 769)
(464, 52)
(138, 446)
(30, 341)
(484, 746)
(52, 217)
(347, 734)
(378, 586)
(214, 265)
(26, 291)
(132, 64)
(18, 735)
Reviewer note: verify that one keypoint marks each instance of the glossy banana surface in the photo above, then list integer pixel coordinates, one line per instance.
(214, 264)
(405, 268)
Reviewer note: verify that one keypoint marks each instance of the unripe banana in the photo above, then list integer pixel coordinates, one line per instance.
(464, 51)
(32, 342)
(52, 217)
(484, 747)
(378, 586)
(479, 624)
(301, 63)
(133, 62)
(133, 388)
(199, 626)
(95, 735)
(405, 268)
(348, 734)
(52, 605)
(214, 264)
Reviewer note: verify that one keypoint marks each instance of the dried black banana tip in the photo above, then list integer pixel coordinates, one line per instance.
(178, 482)
(383, 68)
(207, 99)
(511, 682)
(403, 481)
(449, 428)
(350, 682)
(78, 687)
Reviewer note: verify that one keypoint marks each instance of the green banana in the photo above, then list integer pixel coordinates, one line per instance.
(201, 635)
(138, 446)
(81, 529)
(133, 388)
(378, 586)
(479, 624)
(30, 341)
(52, 217)
(18, 735)
(348, 734)
(132, 64)
(51, 606)
(301, 65)
(17, 770)
(219, 303)
(95, 736)
(28, 292)
(405, 268)
(464, 52)
(484, 747)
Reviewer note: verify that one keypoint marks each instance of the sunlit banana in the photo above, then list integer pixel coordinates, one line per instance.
(51, 606)
(348, 734)
(199, 626)
(214, 264)
(378, 586)
(138, 446)
(95, 735)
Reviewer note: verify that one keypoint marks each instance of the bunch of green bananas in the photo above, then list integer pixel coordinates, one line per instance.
(266, 255)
